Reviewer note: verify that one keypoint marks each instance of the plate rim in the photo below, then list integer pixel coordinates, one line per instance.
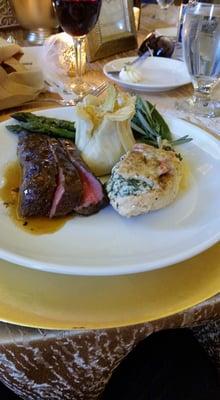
(110, 270)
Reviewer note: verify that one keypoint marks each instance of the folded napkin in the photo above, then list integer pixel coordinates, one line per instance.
(17, 84)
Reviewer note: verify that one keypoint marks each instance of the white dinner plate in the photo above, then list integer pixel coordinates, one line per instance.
(159, 74)
(108, 244)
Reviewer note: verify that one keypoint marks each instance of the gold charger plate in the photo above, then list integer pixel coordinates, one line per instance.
(44, 300)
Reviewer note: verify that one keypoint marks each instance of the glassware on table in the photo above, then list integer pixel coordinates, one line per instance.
(165, 4)
(37, 17)
(182, 11)
(77, 18)
(137, 13)
(201, 50)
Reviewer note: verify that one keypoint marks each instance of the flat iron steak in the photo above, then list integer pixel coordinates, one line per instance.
(55, 181)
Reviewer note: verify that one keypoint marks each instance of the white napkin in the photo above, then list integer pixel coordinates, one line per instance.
(17, 84)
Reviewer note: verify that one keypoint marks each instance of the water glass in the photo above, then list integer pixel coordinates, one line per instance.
(201, 51)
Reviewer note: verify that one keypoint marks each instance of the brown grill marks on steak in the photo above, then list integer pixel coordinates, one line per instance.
(40, 172)
(55, 181)
(94, 197)
(69, 189)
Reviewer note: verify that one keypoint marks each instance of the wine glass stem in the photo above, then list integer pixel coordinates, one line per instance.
(78, 45)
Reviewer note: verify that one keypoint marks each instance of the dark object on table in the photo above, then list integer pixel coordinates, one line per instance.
(169, 365)
(55, 180)
(160, 46)
(7, 394)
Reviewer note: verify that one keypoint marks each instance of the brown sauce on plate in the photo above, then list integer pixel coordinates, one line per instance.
(9, 195)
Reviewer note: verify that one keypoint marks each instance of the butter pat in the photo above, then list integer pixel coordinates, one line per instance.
(130, 74)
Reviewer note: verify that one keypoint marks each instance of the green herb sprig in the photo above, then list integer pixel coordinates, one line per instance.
(149, 126)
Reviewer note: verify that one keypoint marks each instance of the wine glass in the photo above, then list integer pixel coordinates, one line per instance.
(165, 4)
(201, 50)
(77, 18)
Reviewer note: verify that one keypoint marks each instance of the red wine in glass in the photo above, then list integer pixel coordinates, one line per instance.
(77, 18)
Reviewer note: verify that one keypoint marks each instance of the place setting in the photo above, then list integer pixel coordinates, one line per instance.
(113, 171)
(99, 132)
(109, 185)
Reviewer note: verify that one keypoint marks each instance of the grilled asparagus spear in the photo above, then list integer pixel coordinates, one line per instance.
(38, 124)
(32, 118)
(42, 129)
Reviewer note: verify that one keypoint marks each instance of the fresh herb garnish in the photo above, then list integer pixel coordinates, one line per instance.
(149, 126)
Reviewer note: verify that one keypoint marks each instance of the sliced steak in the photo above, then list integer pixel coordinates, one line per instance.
(94, 197)
(69, 189)
(40, 172)
(51, 185)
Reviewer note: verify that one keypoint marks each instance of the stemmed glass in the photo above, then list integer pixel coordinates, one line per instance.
(77, 18)
(165, 4)
(201, 50)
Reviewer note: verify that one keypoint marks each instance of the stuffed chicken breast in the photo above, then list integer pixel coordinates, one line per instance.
(145, 179)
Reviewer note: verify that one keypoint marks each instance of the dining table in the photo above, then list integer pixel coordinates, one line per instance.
(62, 336)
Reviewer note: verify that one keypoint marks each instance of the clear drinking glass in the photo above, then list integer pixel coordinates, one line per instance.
(77, 18)
(165, 4)
(201, 50)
